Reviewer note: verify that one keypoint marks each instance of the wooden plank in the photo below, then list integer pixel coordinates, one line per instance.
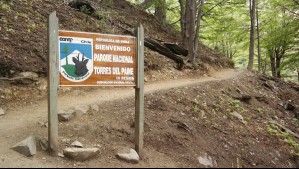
(139, 92)
(53, 83)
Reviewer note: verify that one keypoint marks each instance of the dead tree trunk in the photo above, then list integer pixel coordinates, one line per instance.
(160, 48)
(169, 50)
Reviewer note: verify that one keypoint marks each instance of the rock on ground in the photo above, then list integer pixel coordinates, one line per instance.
(77, 144)
(207, 161)
(131, 157)
(240, 117)
(81, 109)
(2, 112)
(80, 154)
(95, 107)
(30, 75)
(65, 116)
(27, 147)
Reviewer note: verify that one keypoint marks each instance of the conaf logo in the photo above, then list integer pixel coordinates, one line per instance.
(62, 39)
(76, 59)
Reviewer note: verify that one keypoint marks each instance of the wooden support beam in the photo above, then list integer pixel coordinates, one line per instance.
(53, 83)
(139, 91)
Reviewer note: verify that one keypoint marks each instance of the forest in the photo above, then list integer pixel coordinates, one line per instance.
(259, 35)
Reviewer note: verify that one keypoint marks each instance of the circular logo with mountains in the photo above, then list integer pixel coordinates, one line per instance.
(76, 59)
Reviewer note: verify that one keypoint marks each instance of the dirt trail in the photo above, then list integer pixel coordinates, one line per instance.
(20, 123)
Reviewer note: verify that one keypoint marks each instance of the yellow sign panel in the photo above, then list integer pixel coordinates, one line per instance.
(90, 59)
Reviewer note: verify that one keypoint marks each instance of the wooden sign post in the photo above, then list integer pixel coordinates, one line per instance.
(139, 91)
(92, 59)
(53, 83)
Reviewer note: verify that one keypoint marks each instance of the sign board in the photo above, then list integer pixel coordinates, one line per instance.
(90, 59)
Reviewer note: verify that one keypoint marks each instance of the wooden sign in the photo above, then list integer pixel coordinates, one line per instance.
(90, 59)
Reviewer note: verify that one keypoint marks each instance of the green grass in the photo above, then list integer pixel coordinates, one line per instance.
(274, 130)
(4, 7)
(70, 70)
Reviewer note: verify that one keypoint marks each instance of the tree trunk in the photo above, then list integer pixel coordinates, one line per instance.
(273, 65)
(279, 54)
(160, 8)
(146, 4)
(223, 47)
(278, 63)
(264, 66)
(196, 36)
(227, 49)
(259, 57)
(160, 11)
(231, 53)
(190, 29)
(183, 20)
(190, 26)
(298, 74)
(251, 48)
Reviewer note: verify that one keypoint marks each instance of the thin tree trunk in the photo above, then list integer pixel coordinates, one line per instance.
(223, 47)
(160, 11)
(278, 63)
(227, 49)
(258, 40)
(251, 48)
(279, 55)
(298, 74)
(198, 20)
(183, 21)
(264, 66)
(230, 51)
(273, 65)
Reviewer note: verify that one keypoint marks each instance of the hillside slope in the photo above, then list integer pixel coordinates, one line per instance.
(23, 31)
(231, 119)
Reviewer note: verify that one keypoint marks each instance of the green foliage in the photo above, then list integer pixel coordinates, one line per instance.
(225, 28)
(99, 15)
(280, 34)
(31, 27)
(84, 9)
(23, 15)
(235, 103)
(4, 6)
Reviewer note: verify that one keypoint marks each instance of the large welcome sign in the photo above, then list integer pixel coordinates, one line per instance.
(90, 59)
